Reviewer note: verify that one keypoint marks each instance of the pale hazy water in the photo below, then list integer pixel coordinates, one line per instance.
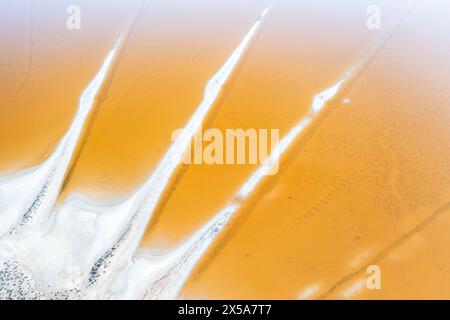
(368, 171)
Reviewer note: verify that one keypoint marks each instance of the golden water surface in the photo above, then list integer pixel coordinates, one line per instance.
(367, 184)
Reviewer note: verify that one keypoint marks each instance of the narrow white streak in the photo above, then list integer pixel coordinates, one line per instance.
(321, 99)
(266, 11)
(310, 292)
(19, 191)
(149, 195)
(354, 289)
(190, 253)
(32, 193)
(318, 103)
(255, 179)
(59, 249)
(69, 143)
(167, 273)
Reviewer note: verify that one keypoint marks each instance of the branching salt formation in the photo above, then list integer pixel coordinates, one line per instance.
(75, 252)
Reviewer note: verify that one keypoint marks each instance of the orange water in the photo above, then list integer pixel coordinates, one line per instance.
(367, 184)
